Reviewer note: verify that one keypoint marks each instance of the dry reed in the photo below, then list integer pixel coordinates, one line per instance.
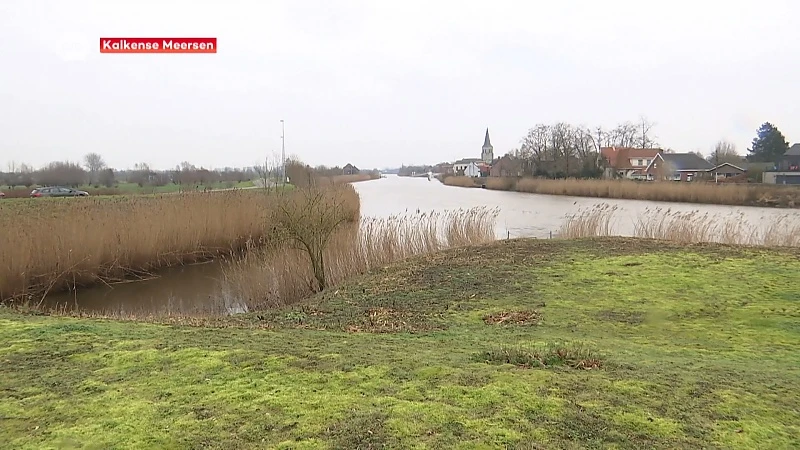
(460, 181)
(279, 276)
(687, 227)
(501, 183)
(355, 178)
(51, 244)
(666, 191)
(594, 222)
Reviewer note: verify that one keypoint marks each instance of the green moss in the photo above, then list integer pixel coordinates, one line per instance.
(699, 346)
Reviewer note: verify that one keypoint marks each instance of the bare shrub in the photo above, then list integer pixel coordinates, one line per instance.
(308, 219)
(278, 276)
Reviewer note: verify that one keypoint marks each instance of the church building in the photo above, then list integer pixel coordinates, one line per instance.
(487, 152)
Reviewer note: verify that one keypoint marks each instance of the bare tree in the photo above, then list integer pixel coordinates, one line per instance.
(725, 152)
(646, 137)
(94, 164)
(309, 220)
(624, 135)
(563, 148)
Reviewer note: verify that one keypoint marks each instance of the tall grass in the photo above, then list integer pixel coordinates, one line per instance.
(460, 181)
(52, 244)
(355, 178)
(594, 222)
(278, 276)
(666, 191)
(686, 227)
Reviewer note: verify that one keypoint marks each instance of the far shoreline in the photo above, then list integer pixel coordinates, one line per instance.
(723, 194)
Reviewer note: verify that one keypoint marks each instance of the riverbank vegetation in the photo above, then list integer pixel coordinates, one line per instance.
(611, 342)
(52, 244)
(662, 191)
(685, 227)
(280, 275)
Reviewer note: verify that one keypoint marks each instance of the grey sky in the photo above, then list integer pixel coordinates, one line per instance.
(380, 83)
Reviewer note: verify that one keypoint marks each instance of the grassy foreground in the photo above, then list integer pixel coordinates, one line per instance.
(698, 346)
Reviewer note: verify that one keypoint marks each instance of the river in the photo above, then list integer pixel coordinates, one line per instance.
(198, 289)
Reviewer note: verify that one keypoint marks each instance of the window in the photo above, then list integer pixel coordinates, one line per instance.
(647, 162)
(641, 162)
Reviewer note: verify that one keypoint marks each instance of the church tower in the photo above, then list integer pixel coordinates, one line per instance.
(487, 152)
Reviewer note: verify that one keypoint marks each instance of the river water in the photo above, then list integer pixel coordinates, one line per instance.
(198, 288)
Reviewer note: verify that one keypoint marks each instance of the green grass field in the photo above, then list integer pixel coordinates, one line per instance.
(697, 347)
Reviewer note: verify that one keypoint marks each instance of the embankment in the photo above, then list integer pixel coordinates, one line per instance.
(603, 343)
(666, 191)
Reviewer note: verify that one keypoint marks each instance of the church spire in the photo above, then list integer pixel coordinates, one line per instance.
(487, 152)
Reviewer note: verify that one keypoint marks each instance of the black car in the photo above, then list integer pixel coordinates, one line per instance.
(58, 191)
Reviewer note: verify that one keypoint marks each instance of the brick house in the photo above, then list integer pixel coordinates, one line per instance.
(350, 169)
(679, 167)
(507, 166)
(627, 162)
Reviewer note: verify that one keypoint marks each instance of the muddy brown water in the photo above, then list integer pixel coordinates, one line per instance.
(198, 289)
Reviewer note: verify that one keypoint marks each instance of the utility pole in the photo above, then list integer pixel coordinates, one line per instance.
(283, 153)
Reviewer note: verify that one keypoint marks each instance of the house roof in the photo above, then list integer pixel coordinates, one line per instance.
(686, 161)
(467, 161)
(793, 150)
(506, 159)
(619, 157)
(486, 142)
(730, 165)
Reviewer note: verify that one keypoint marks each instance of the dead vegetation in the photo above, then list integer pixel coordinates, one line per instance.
(279, 275)
(512, 318)
(686, 227)
(461, 181)
(52, 244)
(754, 194)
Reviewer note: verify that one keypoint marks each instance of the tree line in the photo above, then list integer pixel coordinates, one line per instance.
(95, 172)
(563, 150)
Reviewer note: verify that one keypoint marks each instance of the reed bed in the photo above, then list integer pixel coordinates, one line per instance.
(274, 277)
(48, 245)
(501, 183)
(686, 227)
(665, 191)
(460, 181)
(354, 178)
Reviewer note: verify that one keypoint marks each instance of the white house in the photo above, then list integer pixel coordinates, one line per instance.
(462, 164)
(472, 170)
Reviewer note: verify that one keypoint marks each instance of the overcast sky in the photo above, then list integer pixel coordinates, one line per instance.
(380, 83)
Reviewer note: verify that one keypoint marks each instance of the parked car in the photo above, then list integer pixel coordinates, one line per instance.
(58, 191)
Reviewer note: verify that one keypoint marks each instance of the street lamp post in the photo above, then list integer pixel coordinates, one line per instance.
(283, 153)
